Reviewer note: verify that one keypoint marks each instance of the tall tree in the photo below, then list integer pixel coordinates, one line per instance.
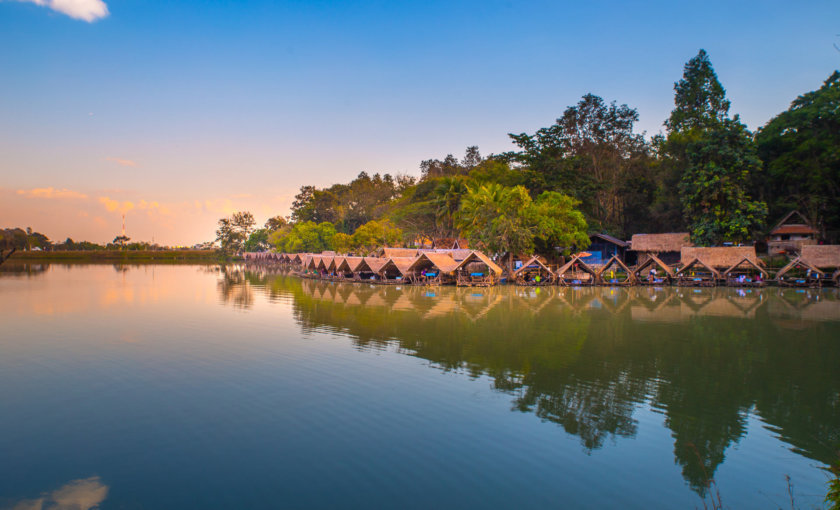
(234, 231)
(715, 158)
(800, 148)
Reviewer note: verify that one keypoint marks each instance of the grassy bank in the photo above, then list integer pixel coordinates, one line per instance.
(118, 256)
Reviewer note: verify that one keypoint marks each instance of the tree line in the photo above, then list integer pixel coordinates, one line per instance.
(590, 171)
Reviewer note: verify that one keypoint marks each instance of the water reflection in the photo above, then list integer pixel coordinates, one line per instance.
(81, 494)
(587, 358)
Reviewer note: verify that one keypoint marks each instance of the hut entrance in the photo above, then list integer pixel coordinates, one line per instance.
(697, 274)
(654, 271)
(745, 274)
(394, 270)
(477, 270)
(533, 273)
(576, 273)
(344, 271)
(432, 269)
(616, 273)
(799, 273)
(368, 269)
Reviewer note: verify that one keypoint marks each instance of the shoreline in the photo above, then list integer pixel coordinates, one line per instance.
(117, 256)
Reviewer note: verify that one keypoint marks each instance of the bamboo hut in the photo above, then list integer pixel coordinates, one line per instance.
(457, 254)
(799, 273)
(720, 258)
(533, 273)
(647, 273)
(615, 272)
(576, 273)
(477, 270)
(826, 258)
(395, 270)
(665, 246)
(388, 252)
(368, 268)
(697, 274)
(745, 273)
(432, 269)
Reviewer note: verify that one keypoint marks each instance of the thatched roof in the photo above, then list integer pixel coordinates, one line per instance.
(794, 222)
(823, 256)
(722, 257)
(746, 262)
(698, 262)
(581, 264)
(658, 243)
(654, 260)
(480, 257)
(402, 264)
(374, 263)
(457, 254)
(349, 264)
(533, 261)
(398, 252)
(442, 261)
(298, 257)
(314, 262)
(798, 261)
(617, 261)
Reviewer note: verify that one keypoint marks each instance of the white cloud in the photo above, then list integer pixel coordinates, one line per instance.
(50, 193)
(87, 10)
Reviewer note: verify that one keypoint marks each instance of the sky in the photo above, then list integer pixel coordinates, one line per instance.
(179, 113)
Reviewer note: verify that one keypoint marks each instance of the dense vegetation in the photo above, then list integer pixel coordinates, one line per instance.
(591, 172)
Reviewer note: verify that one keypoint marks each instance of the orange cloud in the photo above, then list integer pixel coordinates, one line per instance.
(122, 162)
(115, 205)
(50, 193)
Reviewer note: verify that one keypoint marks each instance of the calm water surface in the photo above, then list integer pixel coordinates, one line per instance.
(206, 387)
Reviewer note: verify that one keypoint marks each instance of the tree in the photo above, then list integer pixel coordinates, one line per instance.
(121, 241)
(375, 234)
(799, 148)
(506, 220)
(305, 237)
(448, 194)
(592, 154)
(275, 223)
(257, 241)
(234, 231)
(715, 158)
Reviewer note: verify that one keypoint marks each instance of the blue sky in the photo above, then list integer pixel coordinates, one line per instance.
(206, 107)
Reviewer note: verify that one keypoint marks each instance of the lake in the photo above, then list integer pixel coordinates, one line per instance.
(184, 386)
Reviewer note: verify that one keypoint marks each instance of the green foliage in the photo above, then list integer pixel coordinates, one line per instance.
(801, 152)
(305, 237)
(374, 234)
(715, 158)
(257, 241)
(505, 219)
(833, 495)
(234, 231)
(592, 154)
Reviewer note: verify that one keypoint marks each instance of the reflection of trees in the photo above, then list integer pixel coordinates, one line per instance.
(585, 358)
(23, 269)
(234, 287)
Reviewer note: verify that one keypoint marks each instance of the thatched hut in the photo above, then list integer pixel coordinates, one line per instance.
(457, 254)
(648, 272)
(368, 268)
(720, 258)
(615, 272)
(603, 247)
(577, 273)
(346, 268)
(822, 256)
(665, 246)
(533, 273)
(746, 273)
(799, 273)
(477, 270)
(433, 269)
(395, 270)
(697, 273)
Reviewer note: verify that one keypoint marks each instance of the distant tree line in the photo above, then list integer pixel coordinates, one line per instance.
(591, 172)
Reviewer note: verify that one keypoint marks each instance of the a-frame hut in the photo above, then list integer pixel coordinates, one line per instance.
(615, 272)
(665, 246)
(395, 270)
(368, 268)
(533, 273)
(576, 273)
(697, 274)
(477, 270)
(746, 273)
(345, 269)
(799, 273)
(653, 271)
(826, 258)
(793, 233)
(433, 269)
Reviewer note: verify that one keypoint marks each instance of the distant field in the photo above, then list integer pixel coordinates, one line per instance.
(109, 255)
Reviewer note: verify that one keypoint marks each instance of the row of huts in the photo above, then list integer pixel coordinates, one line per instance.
(817, 265)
